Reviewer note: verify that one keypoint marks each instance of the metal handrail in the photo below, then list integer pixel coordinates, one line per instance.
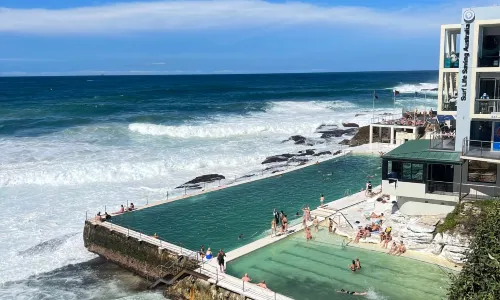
(466, 146)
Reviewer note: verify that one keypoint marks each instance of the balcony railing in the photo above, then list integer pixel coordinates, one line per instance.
(487, 106)
(482, 149)
(442, 187)
(488, 61)
(469, 191)
(442, 141)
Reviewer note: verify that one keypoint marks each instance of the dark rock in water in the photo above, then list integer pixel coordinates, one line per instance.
(323, 153)
(337, 152)
(247, 176)
(350, 125)
(276, 171)
(201, 179)
(298, 139)
(344, 142)
(338, 132)
(298, 159)
(277, 158)
(307, 152)
(326, 127)
(357, 115)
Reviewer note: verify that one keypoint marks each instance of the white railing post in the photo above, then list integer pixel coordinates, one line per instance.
(86, 216)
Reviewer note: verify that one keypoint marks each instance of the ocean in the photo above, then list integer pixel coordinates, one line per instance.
(72, 145)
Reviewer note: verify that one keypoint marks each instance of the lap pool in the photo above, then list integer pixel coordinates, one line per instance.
(318, 268)
(216, 219)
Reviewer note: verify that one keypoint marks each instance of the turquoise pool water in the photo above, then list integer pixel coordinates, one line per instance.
(216, 219)
(318, 268)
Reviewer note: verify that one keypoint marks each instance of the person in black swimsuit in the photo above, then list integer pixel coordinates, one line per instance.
(220, 259)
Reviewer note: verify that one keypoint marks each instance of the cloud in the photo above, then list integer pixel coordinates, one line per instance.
(218, 14)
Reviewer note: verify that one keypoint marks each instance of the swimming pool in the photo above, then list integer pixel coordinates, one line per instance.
(318, 268)
(216, 219)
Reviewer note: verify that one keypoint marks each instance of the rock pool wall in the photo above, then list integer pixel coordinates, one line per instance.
(132, 254)
(199, 289)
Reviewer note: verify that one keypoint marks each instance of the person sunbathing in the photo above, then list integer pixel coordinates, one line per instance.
(375, 216)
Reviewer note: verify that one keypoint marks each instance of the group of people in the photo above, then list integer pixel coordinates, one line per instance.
(106, 216)
(130, 208)
(279, 219)
(221, 257)
(262, 284)
(385, 235)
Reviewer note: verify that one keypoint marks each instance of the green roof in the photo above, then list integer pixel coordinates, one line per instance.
(418, 150)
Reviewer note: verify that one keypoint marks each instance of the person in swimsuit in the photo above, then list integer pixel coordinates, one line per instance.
(308, 234)
(220, 259)
(316, 224)
(246, 278)
(360, 234)
(388, 239)
(358, 264)
(202, 251)
(401, 249)
(285, 223)
(208, 255)
(262, 284)
(394, 248)
(353, 266)
(273, 227)
(122, 209)
(330, 225)
(342, 291)
(382, 237)
(155, 235)
(321, 200)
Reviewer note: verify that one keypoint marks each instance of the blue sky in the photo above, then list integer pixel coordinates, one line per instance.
(54, 37)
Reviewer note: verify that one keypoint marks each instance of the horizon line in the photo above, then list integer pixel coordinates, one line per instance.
(204, 74)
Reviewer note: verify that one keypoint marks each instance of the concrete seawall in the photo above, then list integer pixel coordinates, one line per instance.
(142, 258)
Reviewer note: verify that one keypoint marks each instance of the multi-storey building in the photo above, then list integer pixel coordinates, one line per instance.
(462, 160)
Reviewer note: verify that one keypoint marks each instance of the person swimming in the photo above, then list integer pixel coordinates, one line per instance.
(342, 291)
(358, 264)
(353, 266)
(240, 236)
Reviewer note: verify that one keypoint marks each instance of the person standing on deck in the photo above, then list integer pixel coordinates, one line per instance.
(276, 216)
(321, 200)
(220, 260)
(273, 227)
(369, 188)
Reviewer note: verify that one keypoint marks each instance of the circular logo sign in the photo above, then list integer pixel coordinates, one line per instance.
(469, 16)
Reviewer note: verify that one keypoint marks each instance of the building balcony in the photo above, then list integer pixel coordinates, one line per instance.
(470, 191)
(481, 149)
(487, 106)
(489, 61)
(442, 141)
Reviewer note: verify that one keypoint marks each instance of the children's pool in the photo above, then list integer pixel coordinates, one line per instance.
(318, 268)
(216, 219)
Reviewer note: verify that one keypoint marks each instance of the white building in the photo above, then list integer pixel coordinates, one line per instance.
(462, 162)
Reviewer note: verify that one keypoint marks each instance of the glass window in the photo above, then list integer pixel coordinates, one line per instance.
(480, 171)
(407, 171)
(417, 172)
